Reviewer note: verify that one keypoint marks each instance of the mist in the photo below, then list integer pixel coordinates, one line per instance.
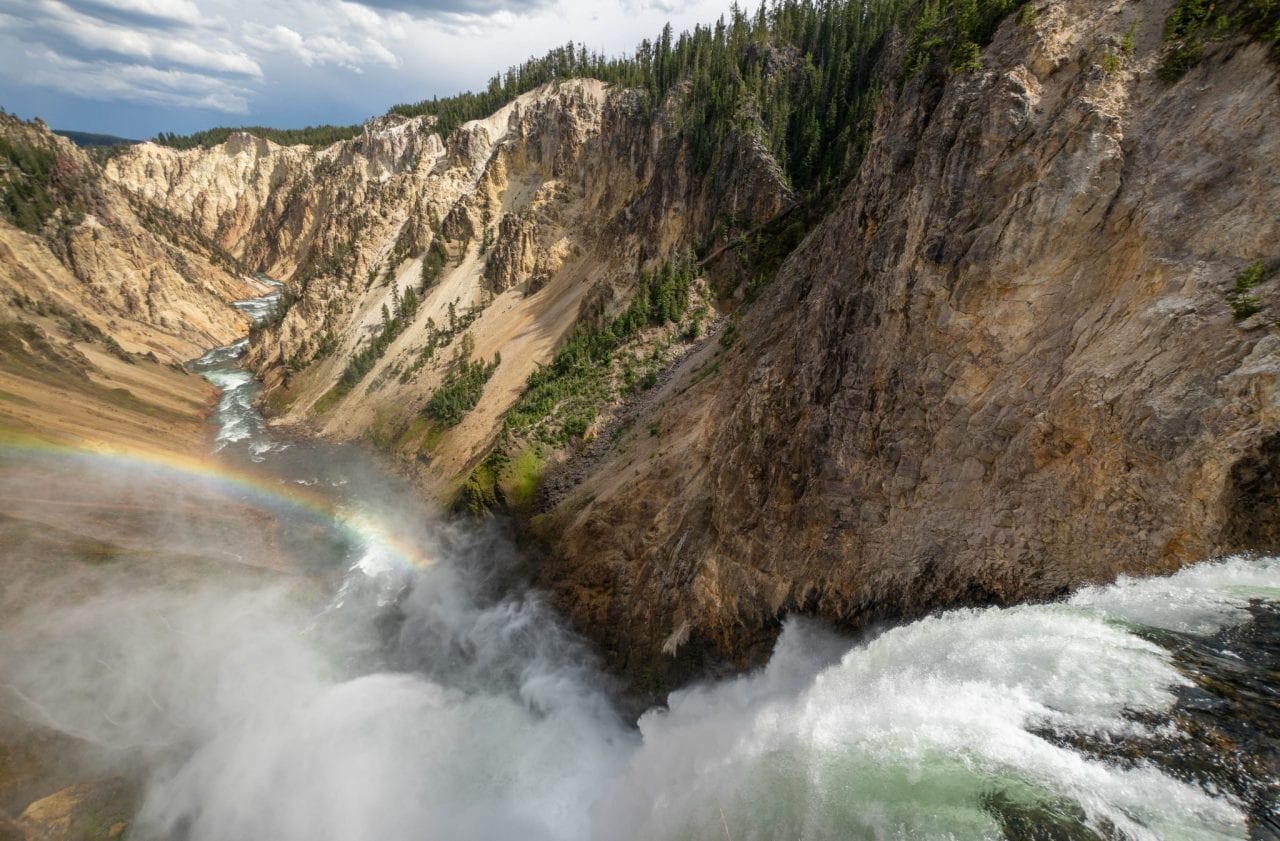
(257, 688)
(265, 703)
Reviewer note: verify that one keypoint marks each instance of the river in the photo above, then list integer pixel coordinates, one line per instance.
(410, 685)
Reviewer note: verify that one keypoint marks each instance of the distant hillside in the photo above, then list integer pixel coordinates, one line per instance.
(310, 136)
(87, 139)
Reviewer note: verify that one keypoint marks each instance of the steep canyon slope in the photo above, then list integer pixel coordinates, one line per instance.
(101, 298)
(504, 234)
(1014, 359)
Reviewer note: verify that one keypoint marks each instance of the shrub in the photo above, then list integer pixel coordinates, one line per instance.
(1242, 303)
(1192, 23)
(1129, 41)
(432, 264)
(460, 391)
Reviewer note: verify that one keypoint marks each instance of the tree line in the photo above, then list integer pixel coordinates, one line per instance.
(310, 136)
(800, 74)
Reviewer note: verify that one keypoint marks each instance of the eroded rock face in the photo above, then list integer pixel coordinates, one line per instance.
(272, 206)
(1006, 365)
(548, 202)
(150, 283)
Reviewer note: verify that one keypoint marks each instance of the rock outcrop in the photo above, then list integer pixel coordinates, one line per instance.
(1006, 365)
(102, 297)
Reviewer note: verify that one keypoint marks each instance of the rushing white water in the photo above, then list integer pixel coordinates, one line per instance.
(236, 417)
(441, 703)
(912, 733)
(495, 727)
(259, 308)
(1198, 600)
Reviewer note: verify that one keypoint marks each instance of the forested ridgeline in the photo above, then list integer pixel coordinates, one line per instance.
(38, 179)
(799, 74)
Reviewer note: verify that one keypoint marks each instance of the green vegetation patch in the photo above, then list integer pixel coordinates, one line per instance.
(525, 476)
(950, 33)
(323, 135)
(460, 391)
(1193, 23)
(500, 479)
(36, 181)
(1243, 303)
(433, 262)
(563, 399)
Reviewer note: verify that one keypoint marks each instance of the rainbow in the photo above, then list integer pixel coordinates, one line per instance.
(260, 490)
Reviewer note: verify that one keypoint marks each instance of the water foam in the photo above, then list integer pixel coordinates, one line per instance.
(913, 735)
(1198, 600)
(495, 725)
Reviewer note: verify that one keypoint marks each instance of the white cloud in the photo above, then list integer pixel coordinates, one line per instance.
(319, 49)
(71, 32)
(162, 11)
(138, 83)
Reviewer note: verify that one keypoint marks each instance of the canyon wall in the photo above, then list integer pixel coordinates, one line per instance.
(132, 272)
(102, 297)
(537, 214)
(1007, 364)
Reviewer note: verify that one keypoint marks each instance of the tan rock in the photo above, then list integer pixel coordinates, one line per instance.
(569, 183)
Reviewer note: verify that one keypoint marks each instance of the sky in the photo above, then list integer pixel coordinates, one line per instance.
(133, 68)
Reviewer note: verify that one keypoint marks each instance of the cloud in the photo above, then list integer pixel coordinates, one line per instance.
(138, 83)
(286, 62)
(70, 32)
(456, 8)
(665, 7)
(319, 49)
(143, 12)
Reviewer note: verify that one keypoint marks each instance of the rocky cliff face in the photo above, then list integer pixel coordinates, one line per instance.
(101, 298)
(1006, 364)
(130, 271)
(274, 207)
(1032, 346)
